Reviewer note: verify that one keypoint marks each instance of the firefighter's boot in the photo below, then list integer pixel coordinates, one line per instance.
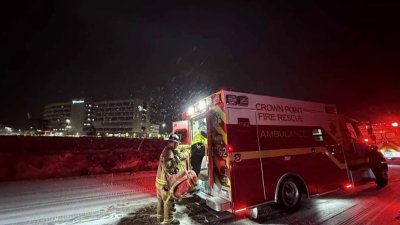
(172, 222)
(160, 214)
(173, 209)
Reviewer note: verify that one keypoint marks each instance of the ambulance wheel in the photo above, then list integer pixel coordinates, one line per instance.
(380, 169)
(289, 196)
(381, 175)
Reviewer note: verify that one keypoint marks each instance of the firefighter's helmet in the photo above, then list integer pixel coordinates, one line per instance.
(174, 137)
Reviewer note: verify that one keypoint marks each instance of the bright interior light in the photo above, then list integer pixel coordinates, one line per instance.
(190, 110)
(202, 105)
(395, 124)
(366, 139)
(208, 101)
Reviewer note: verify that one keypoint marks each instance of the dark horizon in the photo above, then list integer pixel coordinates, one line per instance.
(169, 53)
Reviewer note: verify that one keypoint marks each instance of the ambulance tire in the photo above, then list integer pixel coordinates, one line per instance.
(379, 169)
(289, 196)
(381, 175)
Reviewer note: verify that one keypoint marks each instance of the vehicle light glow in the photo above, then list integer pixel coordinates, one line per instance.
(78, 101)
(238, 211)
(202, 105)
(395, 124)
(349, 186)
(190, 110)
(366, 140)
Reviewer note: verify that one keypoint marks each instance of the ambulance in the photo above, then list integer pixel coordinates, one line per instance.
(263, 150)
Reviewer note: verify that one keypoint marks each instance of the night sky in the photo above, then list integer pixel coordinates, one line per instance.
(172, 52)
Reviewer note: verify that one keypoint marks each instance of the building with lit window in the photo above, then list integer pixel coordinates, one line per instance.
(57, 115)
(123, 117)
(128, 117)
(154, 130)
(81, 117)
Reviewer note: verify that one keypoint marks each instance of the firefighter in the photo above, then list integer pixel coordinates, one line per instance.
(166, 167)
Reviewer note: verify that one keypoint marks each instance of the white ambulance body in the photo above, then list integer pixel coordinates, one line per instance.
(263, 149)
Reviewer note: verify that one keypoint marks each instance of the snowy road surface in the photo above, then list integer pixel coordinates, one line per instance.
(114, 199)
(83, 200)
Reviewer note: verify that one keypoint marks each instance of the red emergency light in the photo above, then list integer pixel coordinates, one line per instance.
(395, 124)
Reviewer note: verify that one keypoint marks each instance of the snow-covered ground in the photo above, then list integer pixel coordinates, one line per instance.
(121, 199)
(101, 199)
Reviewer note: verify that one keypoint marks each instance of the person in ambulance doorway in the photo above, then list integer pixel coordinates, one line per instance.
(198, 148)
(167, 167)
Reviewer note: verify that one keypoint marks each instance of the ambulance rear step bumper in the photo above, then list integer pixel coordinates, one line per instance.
(216, 203)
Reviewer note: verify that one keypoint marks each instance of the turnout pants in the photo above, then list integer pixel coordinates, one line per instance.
(164, 204)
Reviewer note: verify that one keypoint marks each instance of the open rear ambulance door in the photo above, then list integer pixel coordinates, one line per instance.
(218, 187)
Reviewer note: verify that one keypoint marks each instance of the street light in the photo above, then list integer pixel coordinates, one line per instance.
(68, 127)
